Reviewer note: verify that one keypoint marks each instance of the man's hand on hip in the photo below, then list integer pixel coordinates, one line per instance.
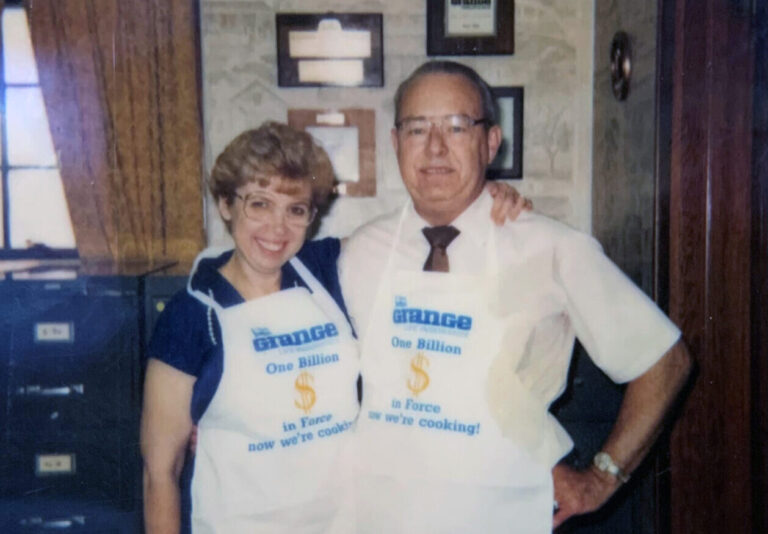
(580, 492)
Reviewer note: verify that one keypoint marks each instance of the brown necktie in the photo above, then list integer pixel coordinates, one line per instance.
(439, 238)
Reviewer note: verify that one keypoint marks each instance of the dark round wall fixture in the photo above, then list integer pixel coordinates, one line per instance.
(621, 65)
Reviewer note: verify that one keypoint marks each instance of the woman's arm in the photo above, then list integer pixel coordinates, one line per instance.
(508, 203)
(165, 430)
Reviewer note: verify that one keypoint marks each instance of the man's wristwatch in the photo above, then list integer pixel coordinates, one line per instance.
(605, 463)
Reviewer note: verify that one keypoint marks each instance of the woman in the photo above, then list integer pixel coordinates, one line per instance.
(258, 353)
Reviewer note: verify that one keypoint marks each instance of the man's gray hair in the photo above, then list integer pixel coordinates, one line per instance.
(458, 69)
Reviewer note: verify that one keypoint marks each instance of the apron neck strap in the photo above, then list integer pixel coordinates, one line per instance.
(491, 252)
(320, 294)
(208, 300)
(400, 222)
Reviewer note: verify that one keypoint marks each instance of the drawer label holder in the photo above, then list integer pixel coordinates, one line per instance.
(54, 332)
(55, 464)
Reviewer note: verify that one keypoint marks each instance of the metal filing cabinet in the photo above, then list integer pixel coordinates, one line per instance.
(70, 352)
(157, 291)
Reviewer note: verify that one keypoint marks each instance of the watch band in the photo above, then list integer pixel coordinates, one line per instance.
(605, 463)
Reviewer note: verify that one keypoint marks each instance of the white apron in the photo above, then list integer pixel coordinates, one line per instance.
(270, 442)
(431, 456)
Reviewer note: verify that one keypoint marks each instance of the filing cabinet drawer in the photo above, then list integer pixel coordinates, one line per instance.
(43, 516)
(62, 417)
(94, 468)
(46, 330)
(70, 395)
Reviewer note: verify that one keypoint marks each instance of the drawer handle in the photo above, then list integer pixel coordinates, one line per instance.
(58, 524)
(61, 391)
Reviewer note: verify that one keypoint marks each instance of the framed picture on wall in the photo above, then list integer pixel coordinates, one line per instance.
(349, 138)
(470, 27)
(329, 49)
(509, 159)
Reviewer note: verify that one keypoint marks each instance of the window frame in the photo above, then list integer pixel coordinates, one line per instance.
(7, 251)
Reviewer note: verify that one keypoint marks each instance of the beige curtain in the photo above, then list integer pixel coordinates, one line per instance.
(121, 86)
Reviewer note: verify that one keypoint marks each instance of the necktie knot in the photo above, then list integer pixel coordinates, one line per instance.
(439, 238)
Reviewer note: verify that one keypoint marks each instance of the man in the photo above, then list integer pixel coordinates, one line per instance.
(460, 366)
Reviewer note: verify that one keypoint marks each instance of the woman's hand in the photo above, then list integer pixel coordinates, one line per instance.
(508, 203)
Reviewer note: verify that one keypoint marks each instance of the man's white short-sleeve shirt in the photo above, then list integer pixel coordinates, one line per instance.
(546, 269)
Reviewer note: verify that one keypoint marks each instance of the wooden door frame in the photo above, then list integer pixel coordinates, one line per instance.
(759, 275)
(665, 35)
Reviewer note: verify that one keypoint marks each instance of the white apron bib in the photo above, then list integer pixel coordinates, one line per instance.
(431, 455)
(270, 443)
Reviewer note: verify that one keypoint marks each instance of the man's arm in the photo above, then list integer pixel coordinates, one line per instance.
(646, 402)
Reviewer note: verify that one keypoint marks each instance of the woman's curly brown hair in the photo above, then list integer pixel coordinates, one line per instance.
(273, 150)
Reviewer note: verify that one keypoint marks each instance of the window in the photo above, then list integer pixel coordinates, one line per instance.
(35, 217)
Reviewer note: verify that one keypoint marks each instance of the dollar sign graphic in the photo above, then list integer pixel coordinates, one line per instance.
(420, 379)
(308, 396)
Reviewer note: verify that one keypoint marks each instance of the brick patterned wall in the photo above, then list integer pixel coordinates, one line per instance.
(553, 60)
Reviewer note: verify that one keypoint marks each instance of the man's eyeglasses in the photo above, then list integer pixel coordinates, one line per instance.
(453, 127)
(261, 209)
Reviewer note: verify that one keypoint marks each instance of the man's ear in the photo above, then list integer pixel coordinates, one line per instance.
(494, 141)
(395, 141)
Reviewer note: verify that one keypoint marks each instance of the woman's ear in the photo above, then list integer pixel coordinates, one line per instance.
(225, 209)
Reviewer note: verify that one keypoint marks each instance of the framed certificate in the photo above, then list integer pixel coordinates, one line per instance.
(329, 49)
(470, 27)
(349, 138)
(508, 162)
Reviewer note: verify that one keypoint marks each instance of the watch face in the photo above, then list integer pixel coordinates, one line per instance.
(605, 463)
(602, 462)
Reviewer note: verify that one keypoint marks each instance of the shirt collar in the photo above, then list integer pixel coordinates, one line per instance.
(472, 222)
(207, 277)
(208, 280)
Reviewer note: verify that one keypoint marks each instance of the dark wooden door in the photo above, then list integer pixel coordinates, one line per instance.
(711, 207)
